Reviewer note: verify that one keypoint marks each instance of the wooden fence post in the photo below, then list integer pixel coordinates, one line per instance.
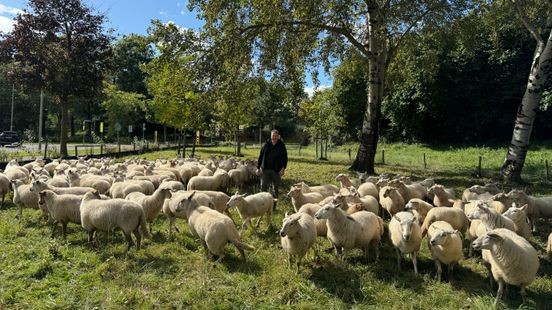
(547, 171)
(425, 163)
(76, 151)
(383, 157)
(479, 174)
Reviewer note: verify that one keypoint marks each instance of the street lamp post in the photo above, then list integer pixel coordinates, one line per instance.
(13, 99)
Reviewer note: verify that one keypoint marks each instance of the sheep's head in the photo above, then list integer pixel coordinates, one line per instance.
(394, 183)
(355, 207)
(429, 182)
(188, 203)
(235, 200)
(441, 237)
(43, 195)
(341, 177)
(290, 225)
(411, 205)
(481, 209)
(486, 241)
(407, 225)
(325, 211)
(516, 213)
(478, 189)
(37, 185)
(389, 191)
(294, 192)
(436, 188)
(502, 197)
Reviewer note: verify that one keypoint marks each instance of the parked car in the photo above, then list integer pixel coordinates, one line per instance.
(9, 137)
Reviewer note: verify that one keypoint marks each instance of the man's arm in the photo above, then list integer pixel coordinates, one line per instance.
(284, 162)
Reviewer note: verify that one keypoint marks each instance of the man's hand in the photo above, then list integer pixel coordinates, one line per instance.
(282, 172)
(258, 172)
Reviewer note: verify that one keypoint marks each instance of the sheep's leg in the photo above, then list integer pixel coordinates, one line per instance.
(19, 215)
(64, 230)
(398, 259)
(532, 224)
(138, 236)
(439, 270)
(375, 244)
(91, 237)
(243, 225)
(129, 241)
(258, 221)
(523, 293)
(54, 227)
(470, 250)
(298, 263)
(499, 292)
(289, 260)
(449, 272)
(415, 261)
(338, 252)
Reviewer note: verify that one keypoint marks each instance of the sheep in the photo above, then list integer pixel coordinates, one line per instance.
(37, 186)
(311, 209)
(419, 208)
(454, 216)
(391, 200)
(406, 235)
(325, 190)
(355, 207)
(409, 191)
(298, 234)
(209, 183)
(359, 230)
(549, 246)
(173, 185)
(62, 208)
(490, 217)
(122, 189)
(500, 202)
(24, 197)
(16, 173)
(474, 191)
(107, 215)
(4, 187)
(368, 189)
(219, 201)
(252, 206)
(59, 180)
(538, 207)
(298, 198)
(513, 260)
(445, 246)
(213, 228)
(441, 196)
(368, 203)
(152, 204)
(519, 217)
(101, 185)
(344, 180)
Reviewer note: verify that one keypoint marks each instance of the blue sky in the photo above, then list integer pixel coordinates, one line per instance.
(133, 16)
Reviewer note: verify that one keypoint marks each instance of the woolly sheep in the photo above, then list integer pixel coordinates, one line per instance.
(474, 191)
(409, 191)
(368, 189)
(359, 230)
(16, 173)
(419, 208)
(252, 206)
(298, 234)
(391, 200)
(107, 215)
(368, 203)
(513, 260)
(454, 216)
(519, 217)
(4, 187)
(311, 209)
(445, 246)
(122, 189)
(151, 204)
(99, 183)
(490, 217)
(218, 181)
(213, 228)
(298, 198)
(37, 186)
(62, 209)
(406, 236)
(24, 197)
(441, 196)
(538, 207)
(173, 185)
(325, 190)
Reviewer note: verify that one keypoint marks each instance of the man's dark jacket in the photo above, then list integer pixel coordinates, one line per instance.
(273, 157)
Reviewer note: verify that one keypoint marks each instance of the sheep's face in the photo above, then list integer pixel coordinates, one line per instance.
(486, 241)
(479, 211)
(235, 200)
(516, 213)
(325, 211)
(478, 189)
(411, 205)
(37, 186)
(440, 237)
(293, 192)
(394, 183)
(43, 196)
(406, 228)
(340, 177)
(388, 191)
(517, 194)
(290, 225)
(499, 197)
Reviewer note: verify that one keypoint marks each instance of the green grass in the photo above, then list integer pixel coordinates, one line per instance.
(38, 272)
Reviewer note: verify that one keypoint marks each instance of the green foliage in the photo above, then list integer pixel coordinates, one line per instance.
(322, 115)
(129, 53)
(121, 107)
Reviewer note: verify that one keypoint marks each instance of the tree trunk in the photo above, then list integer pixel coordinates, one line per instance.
(183, 133)
(538, 76)
(72, 125)
(165, 134)
(194, 146)
(238, 145)
(63, 129)
(364, 161)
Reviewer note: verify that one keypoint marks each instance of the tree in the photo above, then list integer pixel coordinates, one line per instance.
(62, 48)
(284, 38)
(121, 107)
(129, 53)
(536, 17)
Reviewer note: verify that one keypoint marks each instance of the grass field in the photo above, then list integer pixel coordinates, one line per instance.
(38, 272)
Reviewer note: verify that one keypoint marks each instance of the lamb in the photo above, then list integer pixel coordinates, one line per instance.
(445, 246)
(454, 216)
(24, 197)
(359, 230)
(4, 187)
(538, 207)
(298, 198)
(513, 260)
(549, 246)
(409, 191)
(391, 200)
(325, 190)
(441, 196)
(298, 234)
(252, 206)
(419, 208)
(519, 217)
(213, 228)
(62, 208)
(406, 235)
(311, 209)
(151, 204)
(107, 215)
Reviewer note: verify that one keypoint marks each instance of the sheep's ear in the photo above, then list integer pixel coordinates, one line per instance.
(494, 236)
(453, 201)
(524, 207)
(42, 193)
(514, 205)
(191, 195)
(286, 214)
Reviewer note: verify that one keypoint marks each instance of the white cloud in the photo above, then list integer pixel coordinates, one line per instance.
(182, 12)
(311, 90)
(163, 13)
(9, 10)
(6, 24)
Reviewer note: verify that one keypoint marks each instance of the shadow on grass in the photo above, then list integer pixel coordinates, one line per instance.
(339, 281)
(235, 264)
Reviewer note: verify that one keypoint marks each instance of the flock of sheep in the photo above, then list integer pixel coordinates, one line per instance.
(101, 195)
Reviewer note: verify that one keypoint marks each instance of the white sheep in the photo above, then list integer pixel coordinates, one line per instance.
(298, 234)
(325, 190)
(151, 204)
(249, 207)
(213, 228)
(311, 209)
(419, 208)
(442, 195)
(513, 260)
(368, 189)
(4, 187)
(391, 200)
(549, 246)
(99, 183)
(490, 217)
(445, 246)
(538, 207)
(107, 215)
(454, 216)
(409, 191)
(406, 236)
(368, 203)
(359, 230)
(519, 217)
(173, 185)
(24, 197)
(298, 198)
(62, 209)
(219, 181)
(473, 192)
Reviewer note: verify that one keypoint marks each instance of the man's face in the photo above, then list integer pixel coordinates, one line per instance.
(274, 137)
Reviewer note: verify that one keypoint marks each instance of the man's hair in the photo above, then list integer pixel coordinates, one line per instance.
(275, 131)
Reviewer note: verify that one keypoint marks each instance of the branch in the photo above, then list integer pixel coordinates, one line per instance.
(334, 29)
(393, 47)
(532, 30)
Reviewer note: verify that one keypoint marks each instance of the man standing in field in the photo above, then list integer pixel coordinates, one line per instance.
(272, 162)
